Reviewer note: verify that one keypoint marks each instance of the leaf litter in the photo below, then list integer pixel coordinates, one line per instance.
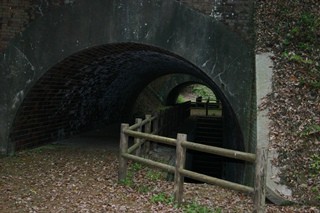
(75, 180)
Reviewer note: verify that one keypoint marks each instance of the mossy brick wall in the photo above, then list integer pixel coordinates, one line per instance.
(15, 15)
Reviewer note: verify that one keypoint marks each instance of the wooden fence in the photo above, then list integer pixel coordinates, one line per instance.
(150, 126)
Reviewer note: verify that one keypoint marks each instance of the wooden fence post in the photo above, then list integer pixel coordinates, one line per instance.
(260, 180)
(123, 149)
(147, 129)
(180, 162)
(137, 140)
(155, 130)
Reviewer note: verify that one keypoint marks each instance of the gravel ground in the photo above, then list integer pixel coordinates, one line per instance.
(58, 178)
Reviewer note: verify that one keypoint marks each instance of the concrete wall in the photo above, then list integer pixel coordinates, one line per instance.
(79, 35)
(236, 14)
(16, 15)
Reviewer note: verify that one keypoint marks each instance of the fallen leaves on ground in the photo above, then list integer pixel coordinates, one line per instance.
(66, 179)
(290, 30)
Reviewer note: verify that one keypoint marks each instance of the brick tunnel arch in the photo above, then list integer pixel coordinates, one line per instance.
(96, 85)
(185, 40)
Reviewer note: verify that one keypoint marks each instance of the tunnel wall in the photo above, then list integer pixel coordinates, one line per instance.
(17, 15)
(223, 56)
(88, 90)
(236, 14)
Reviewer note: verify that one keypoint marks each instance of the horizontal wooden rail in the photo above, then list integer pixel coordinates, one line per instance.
(135, 146)
(155, 138)
(195, 146)
(144, 122)
(220, 151)
(216, 181)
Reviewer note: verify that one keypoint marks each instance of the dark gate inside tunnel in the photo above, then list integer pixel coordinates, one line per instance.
(209, 124)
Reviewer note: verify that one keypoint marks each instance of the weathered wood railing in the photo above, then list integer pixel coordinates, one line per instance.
(181, 144)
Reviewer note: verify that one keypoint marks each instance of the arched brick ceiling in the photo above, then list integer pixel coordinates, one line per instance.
(94, 86)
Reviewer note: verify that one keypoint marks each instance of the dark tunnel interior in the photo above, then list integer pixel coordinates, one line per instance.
(99, 86)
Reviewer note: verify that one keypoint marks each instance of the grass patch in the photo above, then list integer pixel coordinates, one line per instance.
(195, 207)
(154, 175)
(162, 198)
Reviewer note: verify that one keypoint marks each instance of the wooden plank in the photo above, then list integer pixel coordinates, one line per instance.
(180, 163)
(134, 147)
(260, 180)
(155, 130)
(123, 149)
(155, 138)
(195, 146)
(220, 151)
(147, 129)
(217, 181)
(135, 126)
(137, 140)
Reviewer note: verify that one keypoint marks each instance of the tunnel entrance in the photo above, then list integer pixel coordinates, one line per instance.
(97, 87)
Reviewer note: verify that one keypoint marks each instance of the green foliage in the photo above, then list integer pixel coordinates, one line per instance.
(204, 91)
(162, 198)
(298, 33)
(197, 208)
(296, 58)
(309, 24)
(314, 171)
(303, 32)
(193, 207)
(314, 84)
(128, 181)
(154, 175)
(316, 191)
(315, 164)
(144, 189)
(136, 167)
(310, 82)
(310, 130)
(180, 99)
